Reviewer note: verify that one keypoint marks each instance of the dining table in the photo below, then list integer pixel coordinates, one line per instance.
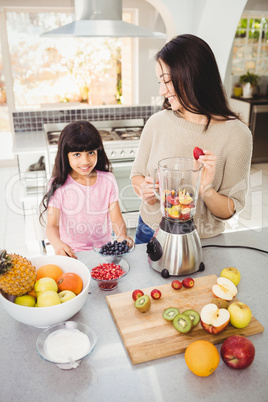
(108, 374)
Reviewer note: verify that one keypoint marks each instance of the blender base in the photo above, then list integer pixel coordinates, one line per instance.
(175, 254)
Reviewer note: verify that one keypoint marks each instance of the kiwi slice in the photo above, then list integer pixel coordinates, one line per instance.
(220, 303)
(143, 303)
(194, 315)
(170, 313)
(182, 323)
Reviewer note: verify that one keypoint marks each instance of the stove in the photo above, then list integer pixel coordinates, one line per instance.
(120, 137)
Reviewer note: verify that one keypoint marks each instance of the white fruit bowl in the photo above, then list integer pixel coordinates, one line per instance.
(46, 316)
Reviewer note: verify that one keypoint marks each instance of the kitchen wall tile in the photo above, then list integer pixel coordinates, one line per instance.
(34, 120)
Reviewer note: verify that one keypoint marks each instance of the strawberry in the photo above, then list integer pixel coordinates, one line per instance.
(176, 284)
(188, 282)
(156, 294)
(136, 294)
(197, 152)
(185, 217)
(173, 200)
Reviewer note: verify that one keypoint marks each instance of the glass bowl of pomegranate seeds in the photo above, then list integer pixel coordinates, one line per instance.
(107, 274)
(114, 247)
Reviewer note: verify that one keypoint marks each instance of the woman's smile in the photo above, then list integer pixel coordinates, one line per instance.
(166, 86)
(171, 99)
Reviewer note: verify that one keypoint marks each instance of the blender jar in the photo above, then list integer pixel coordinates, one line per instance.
(179, 181)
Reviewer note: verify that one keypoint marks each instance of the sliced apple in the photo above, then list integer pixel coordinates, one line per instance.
(214, 319)
(224, 289)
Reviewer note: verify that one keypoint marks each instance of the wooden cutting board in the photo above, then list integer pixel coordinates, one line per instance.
(148, 336)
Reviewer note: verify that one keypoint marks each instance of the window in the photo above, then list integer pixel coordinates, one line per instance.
(97, 71)
(4, 118)
(250, 51)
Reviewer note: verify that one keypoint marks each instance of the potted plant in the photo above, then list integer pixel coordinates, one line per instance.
(249, 81)
(237, 90)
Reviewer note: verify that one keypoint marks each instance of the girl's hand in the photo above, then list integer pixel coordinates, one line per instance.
(147, 191)
(65, 250)
(209, 161)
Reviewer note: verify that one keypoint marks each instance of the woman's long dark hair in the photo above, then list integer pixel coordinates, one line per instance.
(78, 136)
(195, 77)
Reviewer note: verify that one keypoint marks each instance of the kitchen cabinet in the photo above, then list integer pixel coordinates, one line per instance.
(32, 182)
(254, 113)
(29, 147)
(108, 374)
(32, 188)
(259, 125)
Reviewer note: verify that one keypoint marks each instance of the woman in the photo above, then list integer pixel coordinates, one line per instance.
(196, 113)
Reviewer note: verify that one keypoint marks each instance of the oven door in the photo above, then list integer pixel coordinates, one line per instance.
(128, 199)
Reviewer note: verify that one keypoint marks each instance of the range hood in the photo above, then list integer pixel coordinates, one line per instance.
(101, 18)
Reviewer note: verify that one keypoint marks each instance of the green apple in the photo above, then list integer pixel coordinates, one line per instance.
(48, 298)
(66, 295)
(240, 314)
(44, 284)
(231, 273)
(26, 300)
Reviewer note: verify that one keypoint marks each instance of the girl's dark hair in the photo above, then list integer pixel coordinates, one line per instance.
(195, 77)
(78, 136)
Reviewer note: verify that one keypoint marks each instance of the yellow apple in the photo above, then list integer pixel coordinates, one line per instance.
(26, 300)
(240, 314)
(44, 284)
(231, 273)
(66, 295)
(48, 298)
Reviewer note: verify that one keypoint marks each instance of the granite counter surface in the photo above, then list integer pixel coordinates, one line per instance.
(108, 374)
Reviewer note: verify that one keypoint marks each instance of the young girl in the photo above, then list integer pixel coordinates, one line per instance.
(81, 203)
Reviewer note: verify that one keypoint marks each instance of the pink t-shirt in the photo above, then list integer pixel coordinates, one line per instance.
(84, 216)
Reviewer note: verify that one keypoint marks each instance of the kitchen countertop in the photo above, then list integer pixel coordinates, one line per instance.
(29, 141)
(258, 100)
(108, 374)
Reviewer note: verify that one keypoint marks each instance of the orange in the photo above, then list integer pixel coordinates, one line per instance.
(32, 293)
(49, 271)
(202, 358)
(70, 281)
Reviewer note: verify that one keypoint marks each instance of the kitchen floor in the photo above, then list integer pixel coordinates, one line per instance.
(16, 232)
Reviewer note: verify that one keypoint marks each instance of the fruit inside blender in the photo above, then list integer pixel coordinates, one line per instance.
(178, 204)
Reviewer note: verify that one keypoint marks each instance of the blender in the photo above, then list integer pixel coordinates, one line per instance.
(175, 249)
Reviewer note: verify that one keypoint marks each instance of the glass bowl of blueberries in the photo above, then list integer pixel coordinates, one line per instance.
(115, 247)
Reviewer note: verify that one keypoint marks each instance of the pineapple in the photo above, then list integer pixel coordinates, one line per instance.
(17, 274)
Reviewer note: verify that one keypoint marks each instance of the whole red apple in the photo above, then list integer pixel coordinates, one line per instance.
(237, 352)
(136, 294)
(176, 284)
